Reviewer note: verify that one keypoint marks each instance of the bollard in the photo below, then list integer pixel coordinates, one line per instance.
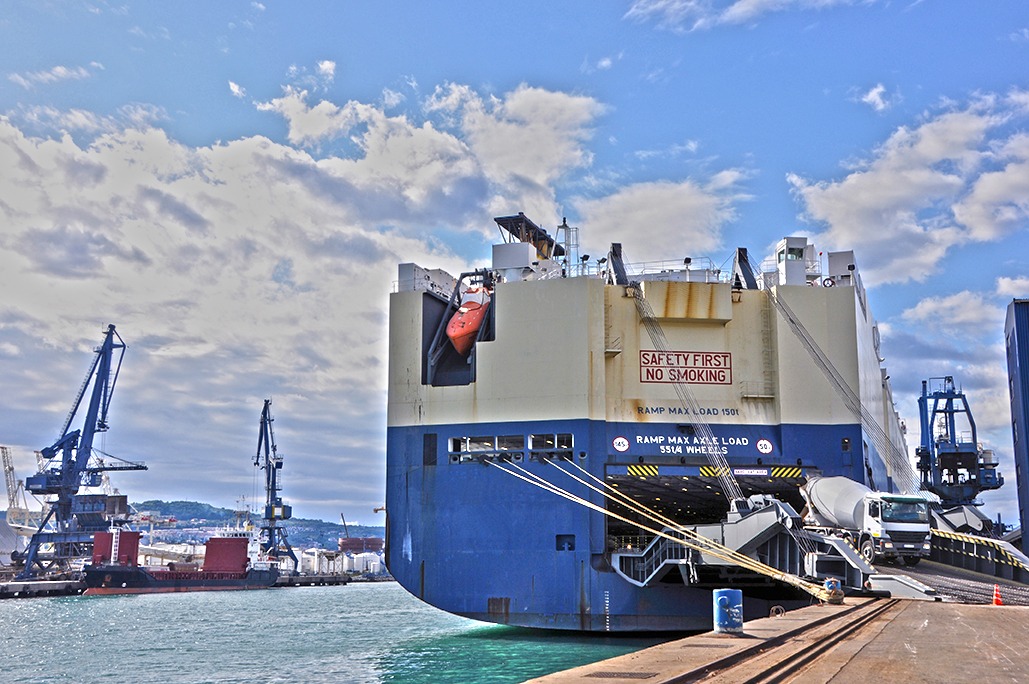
(728, 611)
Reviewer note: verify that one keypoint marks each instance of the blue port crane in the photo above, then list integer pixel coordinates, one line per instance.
(273, 536)
(66, 531)
(952, 463)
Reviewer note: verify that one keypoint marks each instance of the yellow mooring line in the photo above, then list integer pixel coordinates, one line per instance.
(693, 540)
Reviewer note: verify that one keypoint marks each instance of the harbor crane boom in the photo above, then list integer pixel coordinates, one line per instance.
(68, 526)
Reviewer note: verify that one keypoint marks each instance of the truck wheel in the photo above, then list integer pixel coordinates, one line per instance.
(868, 551)
(911, 560)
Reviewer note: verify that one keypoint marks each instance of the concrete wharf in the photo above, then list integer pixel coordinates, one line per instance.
(38, 588)
(865, 639)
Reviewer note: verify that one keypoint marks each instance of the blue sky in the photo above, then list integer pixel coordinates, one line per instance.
(233, 183)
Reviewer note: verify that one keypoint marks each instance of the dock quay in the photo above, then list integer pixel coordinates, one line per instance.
(40, 588)
(901, 640)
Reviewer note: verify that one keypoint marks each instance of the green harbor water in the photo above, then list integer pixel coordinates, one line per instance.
(360, 633)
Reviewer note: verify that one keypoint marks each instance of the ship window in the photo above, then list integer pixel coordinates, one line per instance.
(541, 441)
(510, 442)
(551, 446)
(565, 542)
(562, 440)
(480, 444)
(506, 447)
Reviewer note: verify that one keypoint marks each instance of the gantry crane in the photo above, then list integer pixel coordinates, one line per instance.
(66, 530)
(273, 537)
(953, 463)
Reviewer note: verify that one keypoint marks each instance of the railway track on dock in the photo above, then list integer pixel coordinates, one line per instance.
(789, 659)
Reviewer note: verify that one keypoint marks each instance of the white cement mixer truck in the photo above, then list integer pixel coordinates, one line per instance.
(882, 526)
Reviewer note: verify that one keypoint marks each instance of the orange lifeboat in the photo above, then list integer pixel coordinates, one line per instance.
(464, 325)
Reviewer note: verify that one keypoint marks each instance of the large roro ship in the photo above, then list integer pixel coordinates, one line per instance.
(665, 383)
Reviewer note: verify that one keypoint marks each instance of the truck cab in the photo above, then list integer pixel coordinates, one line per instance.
(896, 528)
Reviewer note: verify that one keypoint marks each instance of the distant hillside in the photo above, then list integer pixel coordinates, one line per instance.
(302, 532)
(184, 511)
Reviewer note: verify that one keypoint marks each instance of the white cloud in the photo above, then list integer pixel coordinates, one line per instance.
(391, 98)
(950, 180)
(510, 149)
(605, 63)
(662, 220)
(86, 122)
(523, 141)
(309, 125)
(1019, 100)
(998, 202)
(874, 98)
(30, 79)
(234, 272)
(688, 15)
(303, 79)
(327, 69)
(965, 312)
(1016, 288)
(237, 90)
(676, 150)
(159, 33)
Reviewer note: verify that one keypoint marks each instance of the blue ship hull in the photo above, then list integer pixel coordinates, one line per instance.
(478, 542)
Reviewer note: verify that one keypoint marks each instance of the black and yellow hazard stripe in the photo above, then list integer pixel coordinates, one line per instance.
(643, 470)
(787, 471)
(713, 471)
(1002, 555)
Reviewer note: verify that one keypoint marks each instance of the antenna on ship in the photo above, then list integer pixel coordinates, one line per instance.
(568, 237)
(273, 537)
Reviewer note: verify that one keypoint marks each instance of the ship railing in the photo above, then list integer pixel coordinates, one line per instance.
(694, 270)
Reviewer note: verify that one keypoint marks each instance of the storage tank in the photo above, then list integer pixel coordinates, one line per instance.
(836, 501)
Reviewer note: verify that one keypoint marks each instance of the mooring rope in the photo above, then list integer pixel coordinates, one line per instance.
(691, 538)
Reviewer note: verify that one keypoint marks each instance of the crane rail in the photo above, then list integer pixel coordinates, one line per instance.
(787, 657)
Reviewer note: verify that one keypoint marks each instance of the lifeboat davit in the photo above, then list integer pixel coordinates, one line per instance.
(464, 325)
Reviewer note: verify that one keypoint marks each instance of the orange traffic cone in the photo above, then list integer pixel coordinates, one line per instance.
(996, 595)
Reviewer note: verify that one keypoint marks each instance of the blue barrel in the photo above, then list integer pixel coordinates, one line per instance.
(728, 607)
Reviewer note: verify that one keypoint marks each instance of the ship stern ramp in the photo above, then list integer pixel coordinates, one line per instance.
(769, 533)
